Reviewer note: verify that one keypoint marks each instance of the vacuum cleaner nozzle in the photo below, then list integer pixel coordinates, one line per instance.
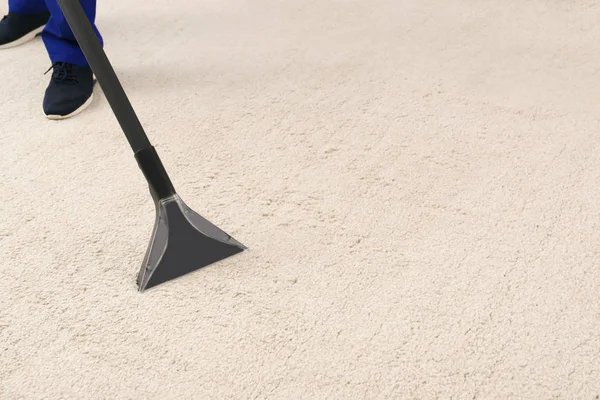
(182, 241)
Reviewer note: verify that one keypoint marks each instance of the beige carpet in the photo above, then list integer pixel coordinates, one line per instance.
(417, 181)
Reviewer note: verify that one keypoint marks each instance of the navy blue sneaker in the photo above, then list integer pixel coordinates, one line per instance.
(70, 90)
(16, 29)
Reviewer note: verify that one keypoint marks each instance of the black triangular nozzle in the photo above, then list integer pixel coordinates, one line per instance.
(182, 241)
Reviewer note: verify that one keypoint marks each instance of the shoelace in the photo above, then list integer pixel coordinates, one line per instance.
(63, 72)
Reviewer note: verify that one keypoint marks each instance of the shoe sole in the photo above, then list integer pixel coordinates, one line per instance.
(23, 39)
(79, 110)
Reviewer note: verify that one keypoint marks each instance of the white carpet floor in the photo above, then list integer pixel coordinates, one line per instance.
(417, 183)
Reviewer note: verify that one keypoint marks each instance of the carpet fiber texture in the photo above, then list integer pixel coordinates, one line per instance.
(417, 183)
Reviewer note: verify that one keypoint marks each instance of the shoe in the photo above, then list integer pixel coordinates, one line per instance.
(16, 29)
(70, 90)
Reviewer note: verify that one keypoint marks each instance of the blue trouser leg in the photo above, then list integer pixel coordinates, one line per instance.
(27, 6)
(58, 37)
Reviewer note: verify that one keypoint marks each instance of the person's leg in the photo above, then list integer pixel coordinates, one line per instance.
(26, 7)
(58, 37)
(25, 20)
(72, 84)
